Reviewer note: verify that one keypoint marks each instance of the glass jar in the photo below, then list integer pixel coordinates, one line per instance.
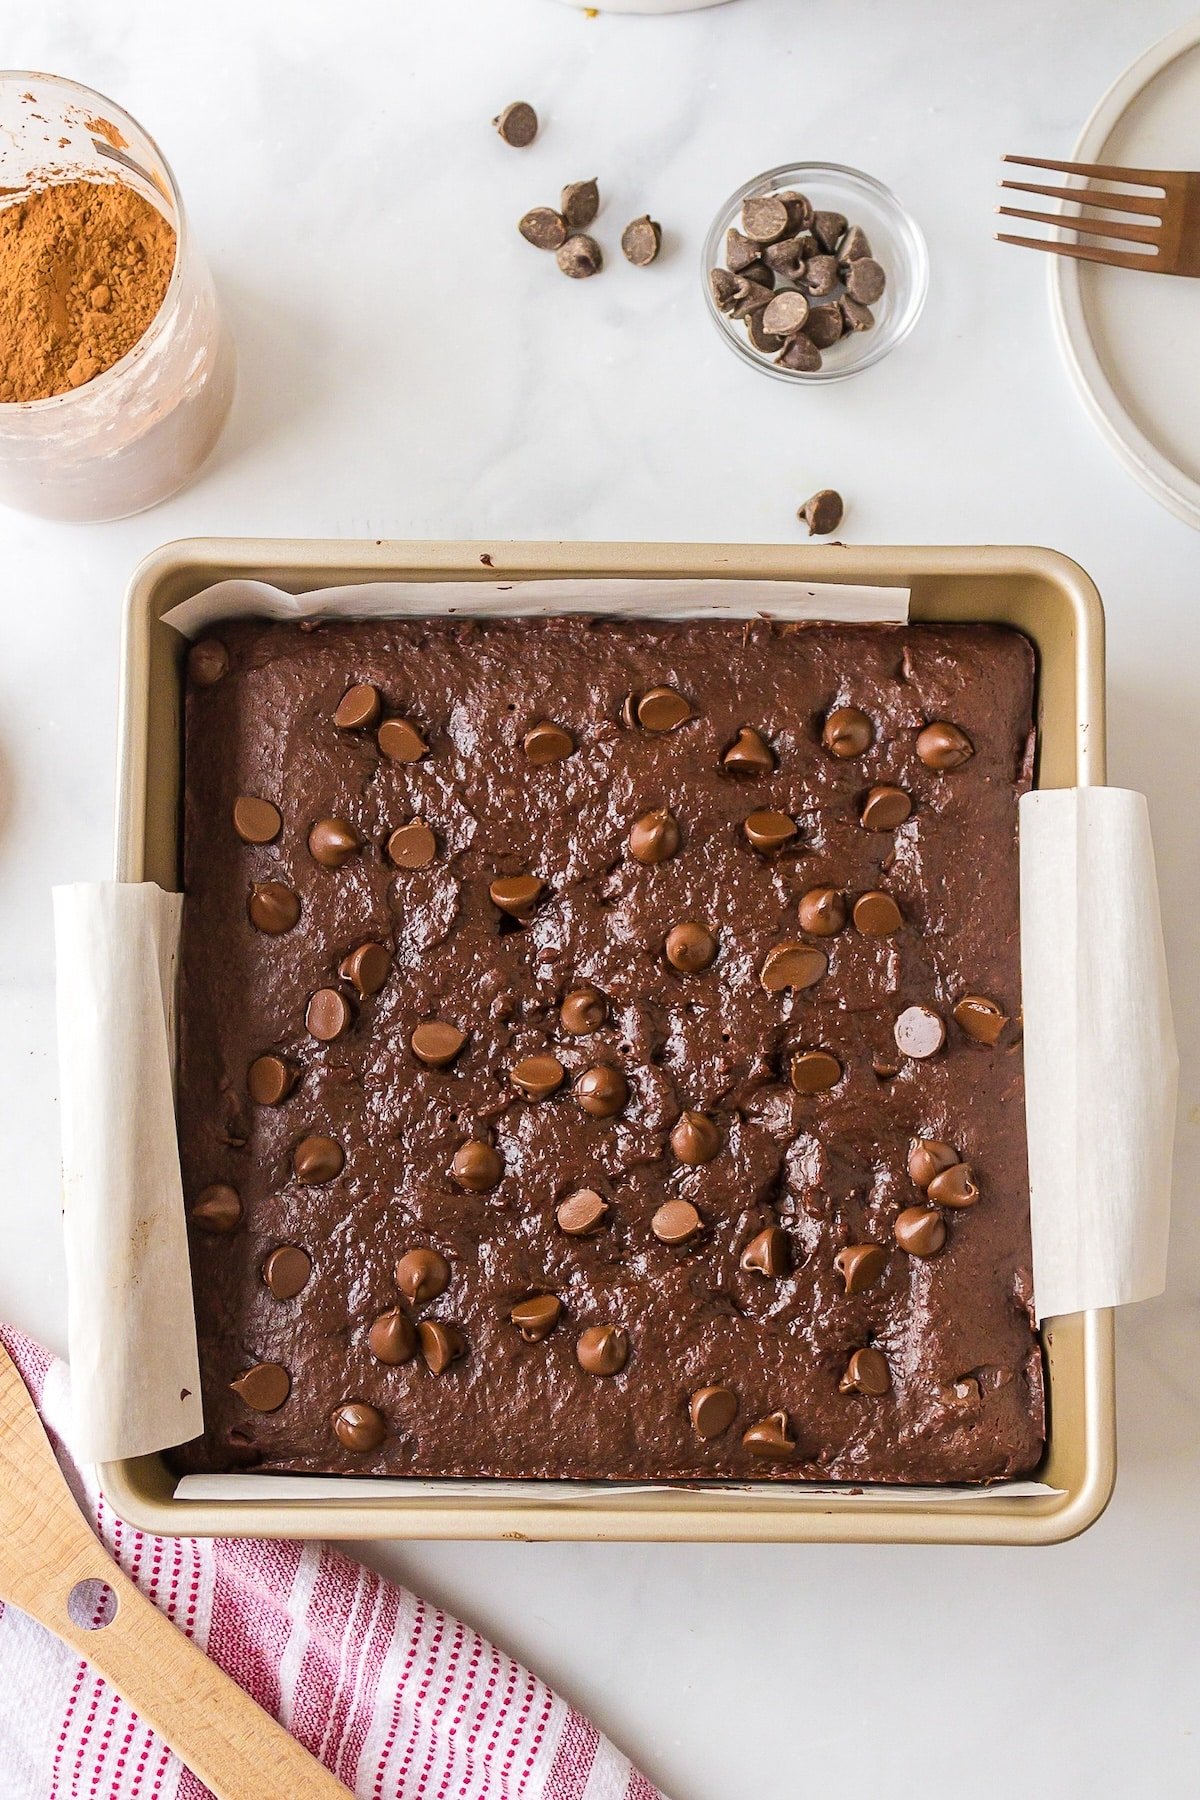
(141, 429)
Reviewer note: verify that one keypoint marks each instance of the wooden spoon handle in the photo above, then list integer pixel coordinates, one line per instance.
(223, 1736)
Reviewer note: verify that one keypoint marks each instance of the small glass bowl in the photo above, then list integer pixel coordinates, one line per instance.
(896, 242)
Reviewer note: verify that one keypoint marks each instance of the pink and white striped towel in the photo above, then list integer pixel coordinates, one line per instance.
(398, 1700)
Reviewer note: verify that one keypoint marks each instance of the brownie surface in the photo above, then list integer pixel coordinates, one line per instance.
(818, 1171)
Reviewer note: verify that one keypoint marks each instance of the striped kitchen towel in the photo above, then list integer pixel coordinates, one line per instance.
(400, 1701)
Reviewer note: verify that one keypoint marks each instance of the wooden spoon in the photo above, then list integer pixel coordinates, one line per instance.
(47, 1547)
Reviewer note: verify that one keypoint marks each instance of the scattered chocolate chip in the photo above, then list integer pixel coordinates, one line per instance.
(695, 1138)
(654, 837)
(358, 708)
(273, 908)
(580, 257)
(944, 746)
(920, 1032)
(317, 1159)
(980, 1019)
(821, 275)
(412, 846)
(543, 228)
(825, 326)
(749, 296)
(767, 830)
(866, 1373)
(207, 662)
(422, 1275)
(516, 895)
(602, 1091)
(691, 947)
(579, 203)
(286, 1271)
(801, 354)
(792, 966)
(786, 313)
(815, 1071)
(920, 1231)
(582, 1213)
(270, 1080)
(392, 1338)
(583, 1011)
(876, 914)
(786, 257)
(366, 968)
(853, 246)
(847, 732)
(517, 124)
(217, 1209)
(546, 743)
(722, 285)
(401, 742)
(822, 513)
(436, 1043)
(358, 1426)
(662, 709)
(602, 1349)
(537, 1077)
(328, 1016)
(822, 912)
(264, 1388)
(477, 1166)
(768, 1253)
(676, 1222)
(860, 1266)
(884, 808)
(713, 1411)
(331, 842)
(770, 1437)
(855, 316)
(954, 1187)
(256, 821)
(829, 228)
(641, 241)
(765, 217)
(928, 1157)
(536, 1317)
(749, 754)
(865, 280)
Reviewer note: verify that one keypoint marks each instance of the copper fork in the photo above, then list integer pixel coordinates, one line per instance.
(1166, 222)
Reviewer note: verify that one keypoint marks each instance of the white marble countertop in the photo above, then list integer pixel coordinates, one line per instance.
(410, 368)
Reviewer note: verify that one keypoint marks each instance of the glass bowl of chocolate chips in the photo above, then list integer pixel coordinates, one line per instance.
(814, 271)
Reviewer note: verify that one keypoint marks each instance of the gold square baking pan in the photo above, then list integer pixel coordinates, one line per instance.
(1040, 593)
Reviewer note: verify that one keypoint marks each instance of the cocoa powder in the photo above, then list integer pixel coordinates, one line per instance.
(84, 266)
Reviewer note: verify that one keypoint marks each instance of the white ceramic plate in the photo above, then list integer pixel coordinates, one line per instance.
(1132, 341)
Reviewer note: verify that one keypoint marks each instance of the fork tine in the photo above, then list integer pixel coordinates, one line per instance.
(1139, 203)
(1110, 228)
(1103, 171)
(1116, 259)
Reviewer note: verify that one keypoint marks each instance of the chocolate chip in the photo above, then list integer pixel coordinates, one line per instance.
(944, 746)
(547, 743)
(286, 1271)
(860, 1266)
(928, 1157)
(855, 316)
(516, 895)
(821, 275)
(662, 709)
(954, 1187)
(317, 1159)
(436, 1043)
(580, 202)
(422, 1275)
(256, 821)
(366, 968)
(602, 1349)
(358, 708)
(582, 1213)
(823, 912)
(749, 296)
(537, 1077)
(641, 241)
(401, 742)
(628, 711)
(800, 354)
(792, 966)
(980, 1018)
(799, 207)
(676, 1222)
(477, 1166)
(207, 662)
(740, 251)
(749, 754)
(884, 808)
(866, 1373)
(764, 341)
(264, 1388)
(517, 124)
(786, 257)
(217, 1209)
(270, 1080)
(543, 228)
(440, 1345)
(331, 842)
(853, 246)
(920, 1231)
(825, 326)
(786, 313)
(767, 830)
(920, 1032)
(847, 732)
(769, 1253)
(602, 1091)
(654, 837)
(392, 1338)
(358, 1426)
(770, 1437)
(865, 280)
(690, 947)
(829, 228)
(765, 218)
(876, 914)
(722, 285)
(822, 512)
(412, 846)
(580, 257)
(328, 1015)
(273, 908)
(815, 1071)
(583, 1011)
(713, 1411)
(695, 1138)
(536, 1317)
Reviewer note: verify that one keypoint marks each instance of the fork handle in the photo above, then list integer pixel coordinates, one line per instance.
(224, 1737)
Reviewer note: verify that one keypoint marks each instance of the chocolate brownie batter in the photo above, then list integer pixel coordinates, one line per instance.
(600, 1050)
